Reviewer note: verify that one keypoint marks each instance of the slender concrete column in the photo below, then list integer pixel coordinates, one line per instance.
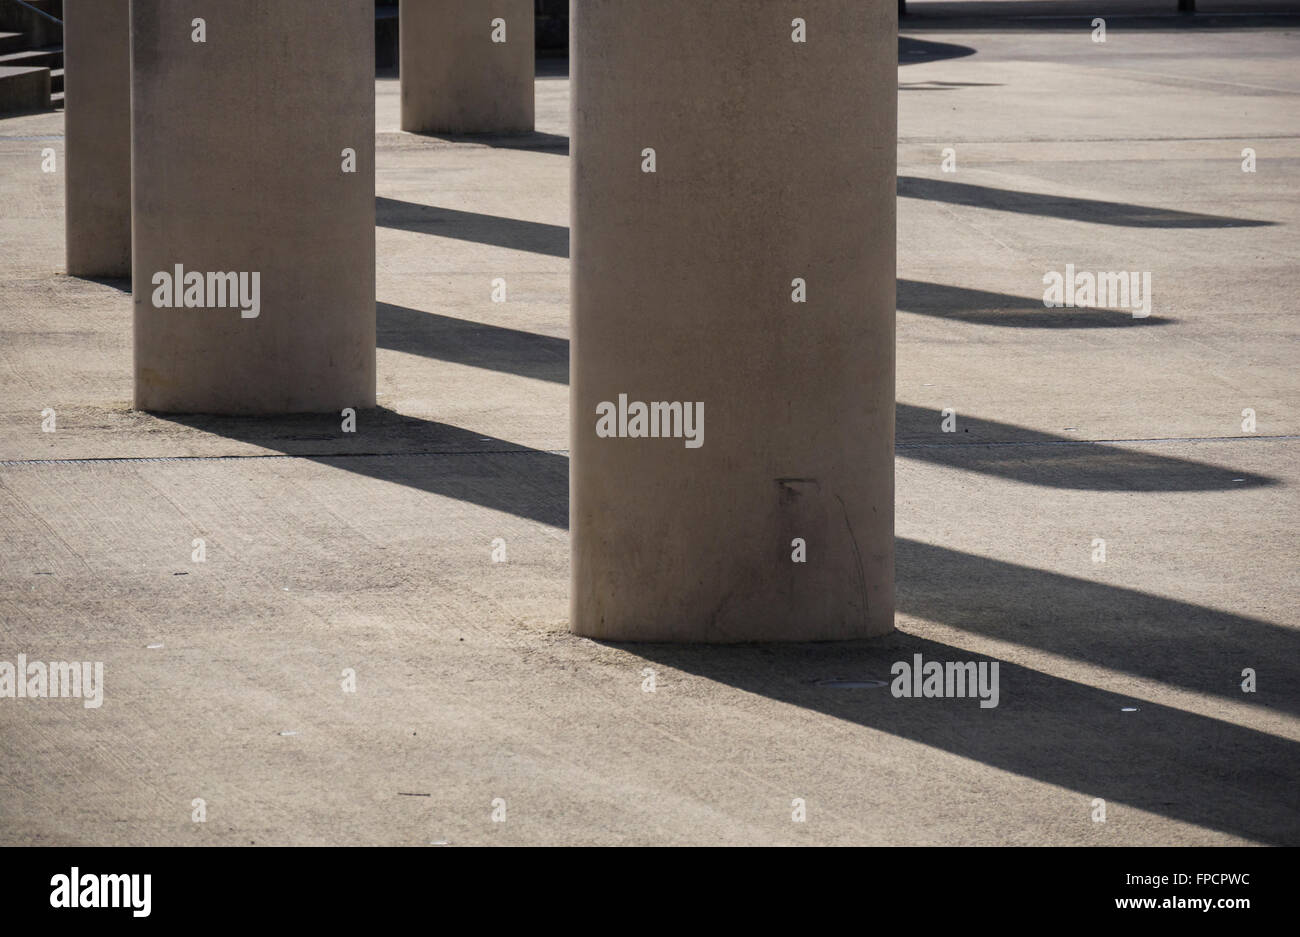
(97, 136)
(253, 157)
(467, 66)
(733, 252)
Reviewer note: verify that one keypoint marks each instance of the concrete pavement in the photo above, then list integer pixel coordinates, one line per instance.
(373, 551)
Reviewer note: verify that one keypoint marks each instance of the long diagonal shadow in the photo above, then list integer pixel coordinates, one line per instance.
(945, 85)
(1020, 16)
(912, 51)
(985, 446)
(384, 434)
(533, 236)
(1176, 764)
(121, 284)
(1179, 643)
(476, 344)
(535, 142)
(492, 473)
(981, 307)
(1063, 206)
(1037, 458)
(1169, 762)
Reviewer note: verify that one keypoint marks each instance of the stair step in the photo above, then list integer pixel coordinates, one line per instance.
(56, 100)
(11, 42)
(24, 89)
(50, 57)
(56, 80)
(17, 18)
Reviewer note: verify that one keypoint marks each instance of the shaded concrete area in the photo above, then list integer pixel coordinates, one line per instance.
(1037, 15)
(476, 344)
(1059, 206)
(1053, 460)
(493, 230)
(1083, 740)
(984, 307)
(373, 550)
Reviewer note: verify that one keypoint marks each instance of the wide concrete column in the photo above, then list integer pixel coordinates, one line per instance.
(750, 275)
(254, 176)
(467, 66)
(97, 136)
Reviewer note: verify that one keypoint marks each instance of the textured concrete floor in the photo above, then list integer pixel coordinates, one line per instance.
(373, 551)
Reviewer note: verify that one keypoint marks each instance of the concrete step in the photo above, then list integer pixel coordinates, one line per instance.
(11, 42)
(39, 30)
(56, 80)
(49, 56)
(11, 12)
(56, 100)
(24, 88)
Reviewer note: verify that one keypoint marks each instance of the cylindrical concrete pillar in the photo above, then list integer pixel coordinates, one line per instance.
(97, 136)
(467, 66)
(733, 249)
(253, 205)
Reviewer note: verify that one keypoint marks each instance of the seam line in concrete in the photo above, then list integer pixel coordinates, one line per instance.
(14, 463)
(1087, 442)
(922, 141)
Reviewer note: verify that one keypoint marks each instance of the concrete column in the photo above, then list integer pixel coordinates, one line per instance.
(97, 118)
(750, 275)
(241, 149)
(467, 66)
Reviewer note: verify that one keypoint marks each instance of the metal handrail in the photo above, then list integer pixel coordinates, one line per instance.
(39, 12)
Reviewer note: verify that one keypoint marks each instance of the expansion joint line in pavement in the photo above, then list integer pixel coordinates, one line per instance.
(1034, 443)
(6, 463)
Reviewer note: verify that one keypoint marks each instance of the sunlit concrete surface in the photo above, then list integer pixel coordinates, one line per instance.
(373, 551)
